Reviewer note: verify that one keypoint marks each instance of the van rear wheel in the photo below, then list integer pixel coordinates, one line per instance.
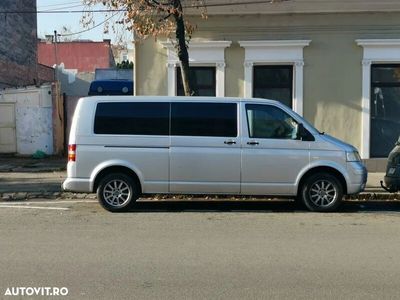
(322, 192)
(117, 192)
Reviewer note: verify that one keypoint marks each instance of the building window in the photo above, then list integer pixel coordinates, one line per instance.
(385, 108)
(203, 81)
(270, 53)
(377, 53)
(273, 82)
(201, 53)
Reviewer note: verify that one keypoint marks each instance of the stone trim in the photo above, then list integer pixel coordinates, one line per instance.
(374, 51)
(272, 52)
(201, 53)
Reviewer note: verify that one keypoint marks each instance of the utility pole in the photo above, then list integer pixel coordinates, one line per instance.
(55, 54)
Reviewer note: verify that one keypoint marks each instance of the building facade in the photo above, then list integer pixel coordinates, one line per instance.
(337, 63)
(18, 51)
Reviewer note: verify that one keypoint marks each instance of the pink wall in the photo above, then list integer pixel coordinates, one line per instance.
(83, 56)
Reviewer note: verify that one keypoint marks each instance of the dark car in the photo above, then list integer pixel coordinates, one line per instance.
(111, 87)
(392, 177)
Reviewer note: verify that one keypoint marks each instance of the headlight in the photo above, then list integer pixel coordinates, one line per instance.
(353, 156)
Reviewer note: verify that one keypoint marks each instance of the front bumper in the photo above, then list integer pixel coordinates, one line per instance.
(358, 177)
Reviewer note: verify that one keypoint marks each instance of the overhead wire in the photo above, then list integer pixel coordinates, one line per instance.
(123, 10)
(59, 4)
(61, 8)
(88, 29)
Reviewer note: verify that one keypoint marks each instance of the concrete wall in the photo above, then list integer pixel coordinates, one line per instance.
(34, 122)
(332, 70)
(18, 50)
(74, 83)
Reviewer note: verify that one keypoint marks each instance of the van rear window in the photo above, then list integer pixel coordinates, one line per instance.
(127, 118)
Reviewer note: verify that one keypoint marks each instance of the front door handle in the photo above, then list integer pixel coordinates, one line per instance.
(253, 143)
(230, 142)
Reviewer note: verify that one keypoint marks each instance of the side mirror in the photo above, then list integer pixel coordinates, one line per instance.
(303, 134)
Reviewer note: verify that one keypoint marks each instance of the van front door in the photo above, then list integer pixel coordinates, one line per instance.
(272, 155)
(205, 148)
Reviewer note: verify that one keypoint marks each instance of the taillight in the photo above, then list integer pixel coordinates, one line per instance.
(72, 152)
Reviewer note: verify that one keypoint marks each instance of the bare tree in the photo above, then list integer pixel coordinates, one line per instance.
(165, 18)
(159, 18)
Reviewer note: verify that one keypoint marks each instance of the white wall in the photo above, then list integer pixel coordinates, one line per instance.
(33, 112)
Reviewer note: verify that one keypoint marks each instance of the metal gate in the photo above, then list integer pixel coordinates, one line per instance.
(8, 140)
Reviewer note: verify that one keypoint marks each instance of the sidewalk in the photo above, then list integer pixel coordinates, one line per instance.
(26, 178)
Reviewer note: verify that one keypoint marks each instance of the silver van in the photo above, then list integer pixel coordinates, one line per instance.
(123, 146)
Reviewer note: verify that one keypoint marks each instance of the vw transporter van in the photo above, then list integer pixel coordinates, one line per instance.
(121, 147)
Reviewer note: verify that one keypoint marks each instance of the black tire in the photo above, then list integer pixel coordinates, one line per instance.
(117, 192)
(322, 192)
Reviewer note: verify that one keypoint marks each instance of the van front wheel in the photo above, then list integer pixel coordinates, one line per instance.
(117, 192)
(322, 192)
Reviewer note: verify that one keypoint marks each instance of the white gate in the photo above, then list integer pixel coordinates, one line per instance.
(8, 140)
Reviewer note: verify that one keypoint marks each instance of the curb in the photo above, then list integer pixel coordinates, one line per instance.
(25, 169)
(22, 196)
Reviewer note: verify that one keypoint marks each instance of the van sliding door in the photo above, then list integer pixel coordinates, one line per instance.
(205, 148)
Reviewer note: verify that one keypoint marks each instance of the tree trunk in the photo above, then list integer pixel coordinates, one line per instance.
(181, 48)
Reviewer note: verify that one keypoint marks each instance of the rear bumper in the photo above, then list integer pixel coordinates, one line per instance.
(80, 185)
(392, 183)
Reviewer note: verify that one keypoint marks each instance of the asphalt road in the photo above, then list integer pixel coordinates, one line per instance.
(201, 250)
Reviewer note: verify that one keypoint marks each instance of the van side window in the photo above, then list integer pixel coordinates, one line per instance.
(204, 119)
(132, 118)
(270, 122)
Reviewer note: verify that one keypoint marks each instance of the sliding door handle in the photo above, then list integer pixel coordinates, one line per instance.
(253, 143)
(230, 142)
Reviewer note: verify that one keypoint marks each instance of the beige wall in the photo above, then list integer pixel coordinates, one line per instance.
(299, 6)
(332, 70)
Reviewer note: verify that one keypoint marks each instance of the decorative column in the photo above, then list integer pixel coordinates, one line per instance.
(248, 79)
(298, 87)
(220, 79)
(366, 108)
(171, 79)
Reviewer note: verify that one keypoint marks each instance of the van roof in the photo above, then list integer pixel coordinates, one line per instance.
(177, 98)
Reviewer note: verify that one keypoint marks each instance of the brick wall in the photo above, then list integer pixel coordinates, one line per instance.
(18, 49)
(45, 73)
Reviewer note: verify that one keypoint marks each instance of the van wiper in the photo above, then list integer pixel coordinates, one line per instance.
(321, 133)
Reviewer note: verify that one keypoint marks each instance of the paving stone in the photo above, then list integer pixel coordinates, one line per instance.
(80, 196)
(67, 195)
(7, 196)
(20, 196)
(34, 195)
